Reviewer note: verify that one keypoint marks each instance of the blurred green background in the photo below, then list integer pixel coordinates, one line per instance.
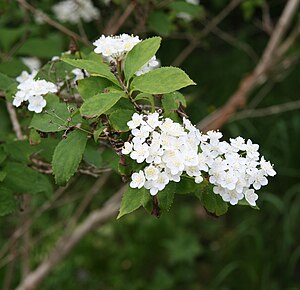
(186, 248)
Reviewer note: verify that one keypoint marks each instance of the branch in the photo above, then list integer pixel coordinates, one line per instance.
(271, 110)
(117, 20)
(258, 76)
(69, 241)
(14, 120)
(53, 23)
(208, 28)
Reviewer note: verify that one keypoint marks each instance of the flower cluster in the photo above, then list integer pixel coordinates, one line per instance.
(74, 10)
(32, 90)
(115, 48)
(171, 150)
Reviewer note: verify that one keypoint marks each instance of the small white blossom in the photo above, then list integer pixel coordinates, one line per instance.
(251, 197)
(36, 104)
(138, 180)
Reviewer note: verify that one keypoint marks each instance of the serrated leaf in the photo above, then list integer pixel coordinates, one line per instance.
(91, 86)
(132, 199)
(99, 104)
(119, 119)
(54, 117)
(8, 203)
(165, 199)
(22, 179)
(93, 67)
(68, 155)
(172, 101)
(161, 81)
(211, 201)
(140, 54)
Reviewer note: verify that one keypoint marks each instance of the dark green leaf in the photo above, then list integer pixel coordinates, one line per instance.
(5, 82)
(119, 119)
(140, 55)
(93, 67)
(132, 199)
(68, 155)
(172, 101)
(54, 117)
(160, 22)
(99, 104)
(22, 179)
(91, 86)
(162, 80)
(8, 203)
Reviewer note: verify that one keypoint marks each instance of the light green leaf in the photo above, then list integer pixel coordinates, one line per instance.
(67, 156)
(99, 104)
(54, 117)
(132, 199)
(93, 67)
(8, 203)
(91, 86)
(119, 119)
(161, 81)
(172, 101)
(140, 55)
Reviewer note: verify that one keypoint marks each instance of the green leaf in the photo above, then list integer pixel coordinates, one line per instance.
(43, 47)
(132, 199)
(22, 179)
(172, 101)
(119, 119)
(98, 132)
(67, 156)
(5, 82)
(10, 35)
(140, 55)
(161, 81)
(8, 203)
(99, 104)
(160, 22)
(93, 67)
(211, 201)
(91, 86)
(3, 153)
(165, 199)
(2, 175)
(54, 117)
(19, 150)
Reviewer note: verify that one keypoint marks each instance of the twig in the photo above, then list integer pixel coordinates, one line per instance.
(114, 26)
(258, 76)
(208, 28)
(68, 241)
(271, 110)
(53, 23)
(14, 120)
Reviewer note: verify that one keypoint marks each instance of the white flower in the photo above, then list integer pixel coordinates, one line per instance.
(194, 2)
(115, 47)
(267, 167)
(33, 63)
(251, 197)
(140, 153)
(232, 196)
(138, 180)
(251, 150)
(74, 10)
(24, 76)
(36, 104)
(127, 148)
(153, 63)
(136, 121)
(79, 74)
(198, 179)
(151, 172)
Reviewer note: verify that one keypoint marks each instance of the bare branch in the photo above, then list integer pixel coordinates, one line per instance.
(68, 241)
(14, 120)
(53, 23)
(257, 77)
(268, 111)
(207, 29)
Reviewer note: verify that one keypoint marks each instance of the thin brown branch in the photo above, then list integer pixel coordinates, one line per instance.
(53, 23)
(268, 111)
(203, 33)
(258, 76)
(14, 120)
(68, 241)
(114, 26)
